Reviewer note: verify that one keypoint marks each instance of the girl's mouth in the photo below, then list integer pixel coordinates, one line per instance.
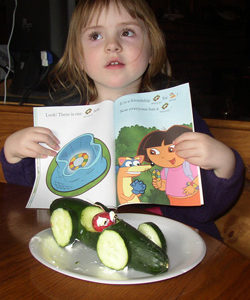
(114, 64)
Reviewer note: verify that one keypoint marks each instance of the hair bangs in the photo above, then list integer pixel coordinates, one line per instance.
(92, 10)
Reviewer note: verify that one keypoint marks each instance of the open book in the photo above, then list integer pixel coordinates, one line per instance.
(119, 152)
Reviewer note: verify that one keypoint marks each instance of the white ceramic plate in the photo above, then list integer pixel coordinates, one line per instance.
(186, 249)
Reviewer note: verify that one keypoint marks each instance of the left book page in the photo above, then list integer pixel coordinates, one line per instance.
(84, 166)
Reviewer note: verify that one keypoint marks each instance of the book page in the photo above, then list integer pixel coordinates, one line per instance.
(149, 171)
(84, 165)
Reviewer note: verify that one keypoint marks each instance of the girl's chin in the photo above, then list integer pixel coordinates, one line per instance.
(119, 87)
(128, 87)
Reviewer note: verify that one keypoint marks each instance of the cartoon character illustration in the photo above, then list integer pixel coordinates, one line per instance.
(129, 191)
(178, 178)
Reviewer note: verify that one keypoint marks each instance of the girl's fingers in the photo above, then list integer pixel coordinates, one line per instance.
(38, 151)
(47, 132)
(49, 140)
(27, 143)
(185, 137)
(186, 154)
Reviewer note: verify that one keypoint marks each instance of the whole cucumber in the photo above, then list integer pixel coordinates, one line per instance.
(144, 254)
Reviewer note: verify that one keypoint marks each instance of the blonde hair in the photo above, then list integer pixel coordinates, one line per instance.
(68, 73)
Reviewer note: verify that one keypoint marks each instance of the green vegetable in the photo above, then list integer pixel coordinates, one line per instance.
(87, 216)
(154, 233)
(112, 250)
(64, 226)
(73, 207)
(117, 246)
(74, 204)
(88, 238)
(144, 255)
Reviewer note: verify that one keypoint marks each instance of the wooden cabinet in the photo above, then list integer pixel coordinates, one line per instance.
(13, 118)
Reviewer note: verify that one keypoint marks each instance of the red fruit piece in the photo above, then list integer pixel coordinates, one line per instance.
(103, 220)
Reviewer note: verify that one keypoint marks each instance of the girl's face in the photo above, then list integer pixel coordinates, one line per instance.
(164, 156)
(116, 51)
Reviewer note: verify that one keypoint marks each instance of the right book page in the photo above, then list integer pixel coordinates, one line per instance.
(148, 168)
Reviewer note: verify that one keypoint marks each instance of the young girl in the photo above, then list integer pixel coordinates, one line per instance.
(115, 48)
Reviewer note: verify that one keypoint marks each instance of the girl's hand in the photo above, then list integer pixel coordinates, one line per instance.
(202, 150)
(26, 143)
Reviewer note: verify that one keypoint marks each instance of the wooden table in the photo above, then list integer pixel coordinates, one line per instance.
(223, 273)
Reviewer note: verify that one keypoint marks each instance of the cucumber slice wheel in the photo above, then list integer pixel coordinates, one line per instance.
(64, 226)
(112, 250)
(87, 216)
(154, 233)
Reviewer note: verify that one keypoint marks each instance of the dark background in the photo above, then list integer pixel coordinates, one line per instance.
(207, 41)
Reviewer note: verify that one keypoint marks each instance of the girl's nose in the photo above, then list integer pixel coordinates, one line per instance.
(113, 45)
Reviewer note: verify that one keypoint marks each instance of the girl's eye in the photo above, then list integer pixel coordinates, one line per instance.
(94, 36)
(154, 152)
(128, 32)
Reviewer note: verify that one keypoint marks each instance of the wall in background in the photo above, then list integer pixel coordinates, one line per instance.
(208, 46)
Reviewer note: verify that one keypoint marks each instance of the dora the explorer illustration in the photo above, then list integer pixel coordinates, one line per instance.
(178, 178)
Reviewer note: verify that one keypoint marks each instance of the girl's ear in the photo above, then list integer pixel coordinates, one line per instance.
(150, 59)
(150, 55)
(81, 63)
